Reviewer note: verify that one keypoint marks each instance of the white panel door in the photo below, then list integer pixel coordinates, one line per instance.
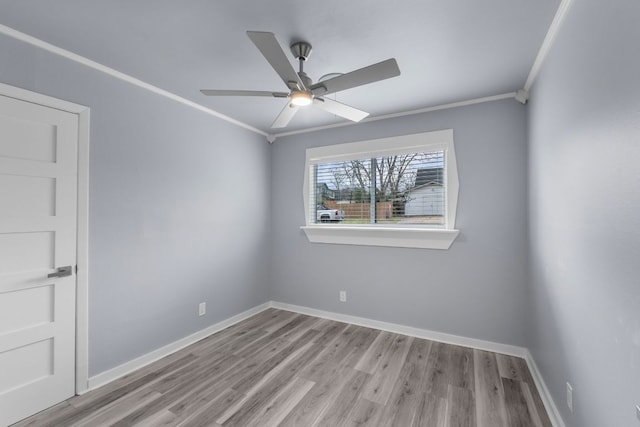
(38, 197)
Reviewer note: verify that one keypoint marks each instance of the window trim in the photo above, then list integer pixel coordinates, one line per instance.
(414, 236)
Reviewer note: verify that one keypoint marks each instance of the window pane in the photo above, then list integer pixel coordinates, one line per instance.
(343, 192)
(409, 189)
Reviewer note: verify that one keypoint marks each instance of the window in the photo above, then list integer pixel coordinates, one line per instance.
(399, 191)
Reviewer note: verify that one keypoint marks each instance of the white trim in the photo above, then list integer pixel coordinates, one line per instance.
(438, 140)
(8, 31)
(402, 114)
(508, 349)
(522, 96)
(553, 31)
(82, 282)
(82, 256)
(549, 404)
(420, 238)
(144, 360)
(40, 99)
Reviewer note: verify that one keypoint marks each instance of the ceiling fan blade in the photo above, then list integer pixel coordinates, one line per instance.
(285, 116)
(373, 73)
(340, 109)
(273, 53)
(214, 92)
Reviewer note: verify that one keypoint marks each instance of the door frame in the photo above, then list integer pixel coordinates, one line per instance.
(82, 236)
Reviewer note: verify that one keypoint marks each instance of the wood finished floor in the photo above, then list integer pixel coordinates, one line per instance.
(285, 369)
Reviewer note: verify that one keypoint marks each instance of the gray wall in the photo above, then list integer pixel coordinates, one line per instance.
(475, 289)
(172, 225)
(172, 220)
(585, 222)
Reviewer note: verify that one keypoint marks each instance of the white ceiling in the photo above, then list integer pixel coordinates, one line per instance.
(447, 51)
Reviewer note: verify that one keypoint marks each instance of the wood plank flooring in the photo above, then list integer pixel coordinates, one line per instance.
(280, 368)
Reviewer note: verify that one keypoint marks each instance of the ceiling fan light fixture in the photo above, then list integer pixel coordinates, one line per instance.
(301, 98)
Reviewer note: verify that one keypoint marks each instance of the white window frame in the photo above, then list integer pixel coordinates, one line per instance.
(412, 236)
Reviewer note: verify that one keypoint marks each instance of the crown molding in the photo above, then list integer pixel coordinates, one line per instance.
(553, 31)
(10, 32)
(402, 114)
(554, 28)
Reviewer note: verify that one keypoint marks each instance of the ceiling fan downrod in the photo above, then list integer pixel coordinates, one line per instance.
(301, 51)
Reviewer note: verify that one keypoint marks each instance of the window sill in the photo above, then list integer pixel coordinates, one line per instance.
(423, 238)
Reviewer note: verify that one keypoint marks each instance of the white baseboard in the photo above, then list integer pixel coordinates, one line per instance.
(139, 362)
(549, 404)
(510, 350)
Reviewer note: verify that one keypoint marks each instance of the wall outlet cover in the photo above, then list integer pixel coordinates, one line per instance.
(343, 296)
(570, 397)
(638, 412)
(202, 309)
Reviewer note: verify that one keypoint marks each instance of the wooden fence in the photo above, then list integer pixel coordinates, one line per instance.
(384, 210)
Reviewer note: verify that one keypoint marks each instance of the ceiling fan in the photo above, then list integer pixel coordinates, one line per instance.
(301, 89)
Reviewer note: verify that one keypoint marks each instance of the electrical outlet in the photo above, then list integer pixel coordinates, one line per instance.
(343, 296)
(638, 412)
(570, 397)
(202, 308)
